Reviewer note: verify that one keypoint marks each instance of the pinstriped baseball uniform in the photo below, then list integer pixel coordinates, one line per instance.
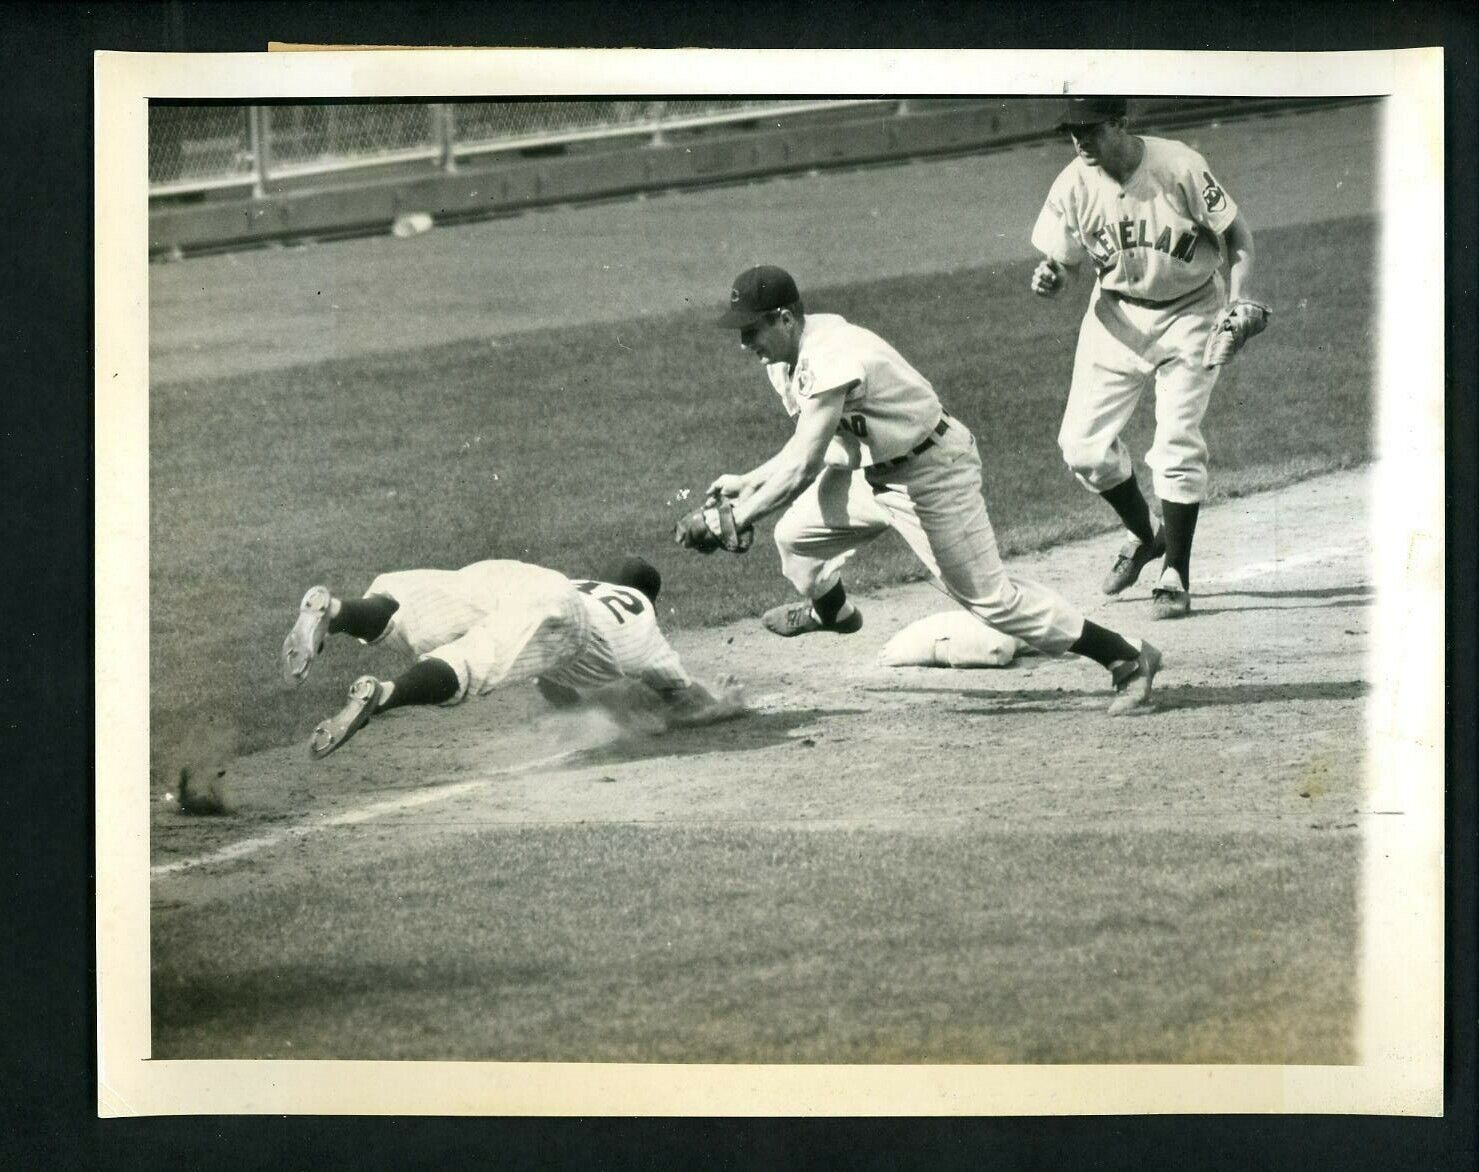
(921, 477)
(623, 642)
(498, 621)
(1155, 242)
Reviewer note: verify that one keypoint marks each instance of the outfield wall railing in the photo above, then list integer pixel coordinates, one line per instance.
(195, 148)
(233, 176)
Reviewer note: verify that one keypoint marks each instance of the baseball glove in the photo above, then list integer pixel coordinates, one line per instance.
(1238, 321)
(713, 527)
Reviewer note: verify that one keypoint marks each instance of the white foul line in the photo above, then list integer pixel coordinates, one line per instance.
(442, 793)
(1279, 565)
(422, 797)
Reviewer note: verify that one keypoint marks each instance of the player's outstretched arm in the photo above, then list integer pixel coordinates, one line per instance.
(795, 466)
(737, 484)
(695, 705)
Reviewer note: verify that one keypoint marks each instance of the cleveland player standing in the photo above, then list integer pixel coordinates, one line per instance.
(1158, 227)
(873, 450)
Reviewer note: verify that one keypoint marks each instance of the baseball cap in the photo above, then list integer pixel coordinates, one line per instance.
(1091, 111)
(634, 572)
(755, 293)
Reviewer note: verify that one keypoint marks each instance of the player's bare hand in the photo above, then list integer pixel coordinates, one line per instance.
(730, 690)
(730, 484)
(728, 700)
(1047, 279)
(696, 705)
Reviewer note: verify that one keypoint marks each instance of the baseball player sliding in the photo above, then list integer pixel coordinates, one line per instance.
(873, 450)
(1150, 216)
(494, 622)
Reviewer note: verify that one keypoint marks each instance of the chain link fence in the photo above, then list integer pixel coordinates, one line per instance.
(304, 139)
(199, 147)
(195, 148)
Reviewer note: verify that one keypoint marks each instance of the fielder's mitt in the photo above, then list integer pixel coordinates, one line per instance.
(1238, 321)
(712, 527)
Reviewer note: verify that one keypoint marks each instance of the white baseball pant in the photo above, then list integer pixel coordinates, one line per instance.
(490, 629)
(1124, 347)
(933, 500)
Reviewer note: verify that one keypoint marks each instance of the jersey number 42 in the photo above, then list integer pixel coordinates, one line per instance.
(613, 598)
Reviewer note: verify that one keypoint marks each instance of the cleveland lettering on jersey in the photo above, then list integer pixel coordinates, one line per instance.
(1158, 228)
(1152, 236)
(909, 467)
(1106, 243)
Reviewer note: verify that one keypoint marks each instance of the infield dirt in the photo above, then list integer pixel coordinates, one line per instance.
(880, 864)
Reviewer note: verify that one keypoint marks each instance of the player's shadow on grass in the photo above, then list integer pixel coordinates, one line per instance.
(757, 730)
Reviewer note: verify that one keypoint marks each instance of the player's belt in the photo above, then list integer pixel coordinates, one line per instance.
(1146, 303)
(923, 445)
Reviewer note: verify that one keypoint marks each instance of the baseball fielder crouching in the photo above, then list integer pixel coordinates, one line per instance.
(494, 622)
(1154, 221)
(873, 451)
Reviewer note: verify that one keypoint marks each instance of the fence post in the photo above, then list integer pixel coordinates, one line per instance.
(260, 131)
(657, 111)
(445, 116)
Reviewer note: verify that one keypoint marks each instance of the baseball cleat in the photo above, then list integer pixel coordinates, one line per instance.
(1133, 557)
(306, 639)
(331, 734)
(1170, 599)
(1132, 681)
(797, 618)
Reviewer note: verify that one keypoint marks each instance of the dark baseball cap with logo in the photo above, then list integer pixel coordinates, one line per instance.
(1091, 111)
(756, 292)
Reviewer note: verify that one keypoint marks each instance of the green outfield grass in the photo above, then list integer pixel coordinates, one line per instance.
(567, 446)
(642, 944)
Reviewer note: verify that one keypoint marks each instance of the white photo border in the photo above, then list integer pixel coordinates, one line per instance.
(1402, 985)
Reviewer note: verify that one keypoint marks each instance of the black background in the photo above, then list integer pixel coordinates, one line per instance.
(48, 1075)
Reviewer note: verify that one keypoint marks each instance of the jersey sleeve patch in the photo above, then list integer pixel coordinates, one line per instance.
(816, 374)
(1207, 200)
